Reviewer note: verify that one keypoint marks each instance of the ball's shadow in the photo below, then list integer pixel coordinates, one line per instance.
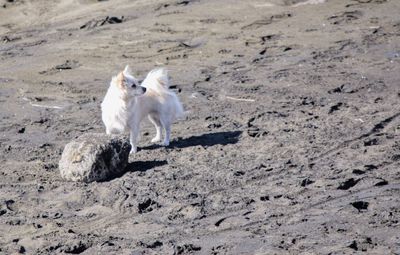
(143, 166)
(206, 140)
(137, 166)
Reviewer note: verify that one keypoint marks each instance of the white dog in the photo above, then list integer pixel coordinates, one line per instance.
(126, 104)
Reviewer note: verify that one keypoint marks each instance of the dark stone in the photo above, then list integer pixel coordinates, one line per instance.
(306, 182)
(348, 184)
(147, 206)
(186, 248)
(76, 248)
(381, 183)
(22, 249)
(353, 246)
(360, 205)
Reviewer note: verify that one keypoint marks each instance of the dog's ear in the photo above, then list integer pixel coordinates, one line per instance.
(120, 78)
(127, 70)
(121, 75)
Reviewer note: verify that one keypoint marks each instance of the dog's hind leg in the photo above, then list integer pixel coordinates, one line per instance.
(167, 127)
(157, 124)
(167, 135)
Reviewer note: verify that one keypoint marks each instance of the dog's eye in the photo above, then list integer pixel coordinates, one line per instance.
(133, 85)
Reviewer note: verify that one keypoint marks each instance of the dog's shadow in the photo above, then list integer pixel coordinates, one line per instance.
(206, 140)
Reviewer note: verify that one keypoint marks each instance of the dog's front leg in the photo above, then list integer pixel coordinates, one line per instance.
(132, 140)
(134, 132)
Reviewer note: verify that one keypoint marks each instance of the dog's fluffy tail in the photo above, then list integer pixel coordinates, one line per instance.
(158, 81)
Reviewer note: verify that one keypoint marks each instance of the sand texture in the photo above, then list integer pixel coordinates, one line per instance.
(291, 144)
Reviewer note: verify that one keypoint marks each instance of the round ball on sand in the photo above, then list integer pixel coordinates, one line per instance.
(94, 157)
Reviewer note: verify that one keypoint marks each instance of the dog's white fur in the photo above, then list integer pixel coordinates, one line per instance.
(126, 104)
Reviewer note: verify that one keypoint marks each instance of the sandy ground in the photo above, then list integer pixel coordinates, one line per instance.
(291, 145)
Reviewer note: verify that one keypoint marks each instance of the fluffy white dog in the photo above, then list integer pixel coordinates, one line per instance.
(126, 104)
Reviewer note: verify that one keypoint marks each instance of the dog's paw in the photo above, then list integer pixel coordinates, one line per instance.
(156, 139)
(165, 143)
(133, 150)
